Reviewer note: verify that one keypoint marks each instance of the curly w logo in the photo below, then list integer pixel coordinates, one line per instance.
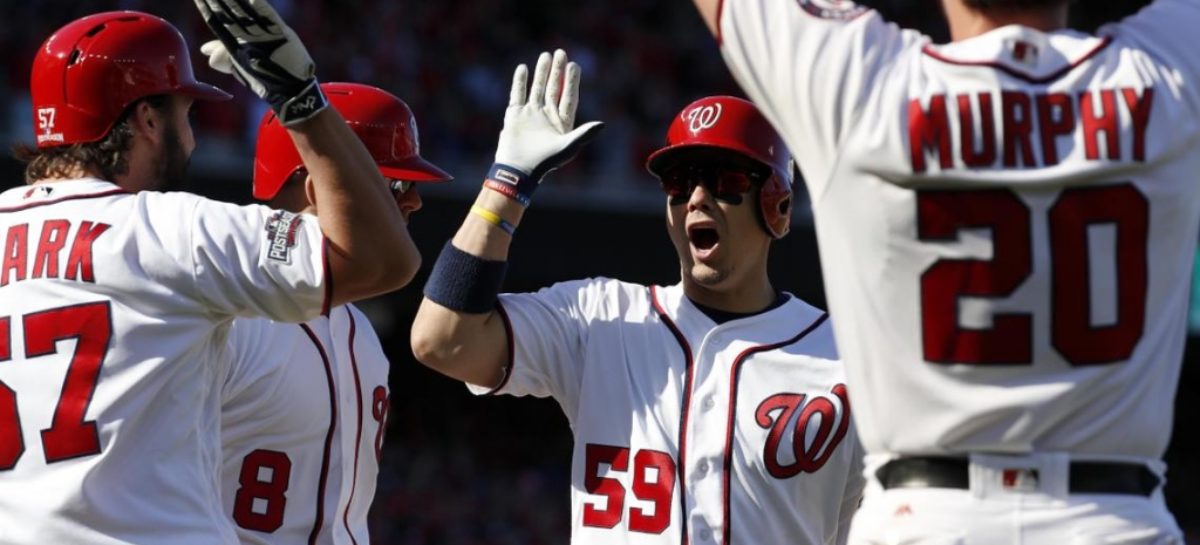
(778, 413)
(703, 117)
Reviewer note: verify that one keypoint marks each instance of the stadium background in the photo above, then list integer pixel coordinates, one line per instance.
(460, 470)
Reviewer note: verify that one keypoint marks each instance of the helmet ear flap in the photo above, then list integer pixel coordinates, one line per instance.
(775, 206)
(784, 219)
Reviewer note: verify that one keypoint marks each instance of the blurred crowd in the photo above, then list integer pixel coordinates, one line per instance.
(452, 62)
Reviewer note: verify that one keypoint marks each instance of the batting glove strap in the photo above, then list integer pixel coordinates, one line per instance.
(264, 54)
(511, 182)
(539, 133)
(301, 107)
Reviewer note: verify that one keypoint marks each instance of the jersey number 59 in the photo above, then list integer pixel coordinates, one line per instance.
(653, 481)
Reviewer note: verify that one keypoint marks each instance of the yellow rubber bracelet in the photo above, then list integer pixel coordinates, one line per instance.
(493, 218)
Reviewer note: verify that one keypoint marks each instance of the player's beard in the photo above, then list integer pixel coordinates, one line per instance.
(172, 169)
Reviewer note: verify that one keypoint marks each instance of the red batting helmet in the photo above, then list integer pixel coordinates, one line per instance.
(383, 122)
(734, 124)
(89, 71)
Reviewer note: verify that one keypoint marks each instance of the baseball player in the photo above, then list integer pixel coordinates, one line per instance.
(1007, 224)
(115, 299)
(303, 406)
(710, 411)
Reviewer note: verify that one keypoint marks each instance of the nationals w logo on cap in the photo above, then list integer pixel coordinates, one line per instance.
(703, 117)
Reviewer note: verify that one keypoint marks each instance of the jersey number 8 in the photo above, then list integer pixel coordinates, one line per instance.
(270, 487)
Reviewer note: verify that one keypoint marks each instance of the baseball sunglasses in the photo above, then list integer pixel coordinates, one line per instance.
(726, 182)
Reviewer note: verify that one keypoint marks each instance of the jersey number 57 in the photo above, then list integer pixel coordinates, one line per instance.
(69, 435)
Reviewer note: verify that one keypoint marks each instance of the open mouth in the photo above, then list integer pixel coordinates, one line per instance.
(703, 239)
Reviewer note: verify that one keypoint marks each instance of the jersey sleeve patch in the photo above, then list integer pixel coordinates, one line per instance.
(281, 231)
(833, 10)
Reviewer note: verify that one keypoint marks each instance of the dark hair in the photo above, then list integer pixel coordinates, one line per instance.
(106, 156)
(1023, 4)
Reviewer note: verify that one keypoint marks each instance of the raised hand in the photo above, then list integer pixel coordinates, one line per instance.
(539, 133)
(264, 54)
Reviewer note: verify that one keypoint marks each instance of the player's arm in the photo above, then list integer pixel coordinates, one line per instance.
(370, 250)
(458, 330)
(357, 217)
(810, 66)
(1166, 29)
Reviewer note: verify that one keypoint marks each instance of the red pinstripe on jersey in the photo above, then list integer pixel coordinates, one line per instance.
(683, 418)
(319, 517)
(735, 375)
(358, 434)
(328, 276)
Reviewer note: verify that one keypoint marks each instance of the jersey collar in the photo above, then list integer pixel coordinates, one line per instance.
(52, 191)
(1022, 52)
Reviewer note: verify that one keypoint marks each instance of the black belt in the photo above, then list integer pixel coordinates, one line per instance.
(1083, 477)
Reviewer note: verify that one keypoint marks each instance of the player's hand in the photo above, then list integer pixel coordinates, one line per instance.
(264, 54)
(537, 135)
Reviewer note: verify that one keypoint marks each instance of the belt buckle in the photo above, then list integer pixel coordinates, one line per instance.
(1019, 479)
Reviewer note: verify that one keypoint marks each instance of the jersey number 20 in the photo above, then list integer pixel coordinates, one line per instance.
(942, 214)
(69, 435)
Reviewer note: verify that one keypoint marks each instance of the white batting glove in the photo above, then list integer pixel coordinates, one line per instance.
(537, 135)
(264, 54)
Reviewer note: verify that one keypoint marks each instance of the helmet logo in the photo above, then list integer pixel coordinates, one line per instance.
(703, 117)
(45, 121)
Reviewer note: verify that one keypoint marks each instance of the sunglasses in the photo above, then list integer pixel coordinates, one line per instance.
(726, 183)
(399, 187)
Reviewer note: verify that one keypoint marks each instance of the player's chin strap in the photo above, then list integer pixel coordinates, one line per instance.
(465, 283)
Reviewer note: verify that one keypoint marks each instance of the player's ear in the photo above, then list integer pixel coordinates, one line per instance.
(310, 192)
(147, 121)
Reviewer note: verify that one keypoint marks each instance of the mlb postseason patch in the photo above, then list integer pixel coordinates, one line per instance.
(836, 10)
(281, 235)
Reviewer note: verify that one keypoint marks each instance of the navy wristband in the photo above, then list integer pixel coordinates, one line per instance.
(463, 282)
(511, 182)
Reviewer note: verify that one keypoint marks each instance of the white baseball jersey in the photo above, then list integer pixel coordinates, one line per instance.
(303, 408)
(1006, 223)
(687, 431)
(115, 308)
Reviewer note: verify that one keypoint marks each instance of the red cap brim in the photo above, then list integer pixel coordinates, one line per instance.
(415, 169)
